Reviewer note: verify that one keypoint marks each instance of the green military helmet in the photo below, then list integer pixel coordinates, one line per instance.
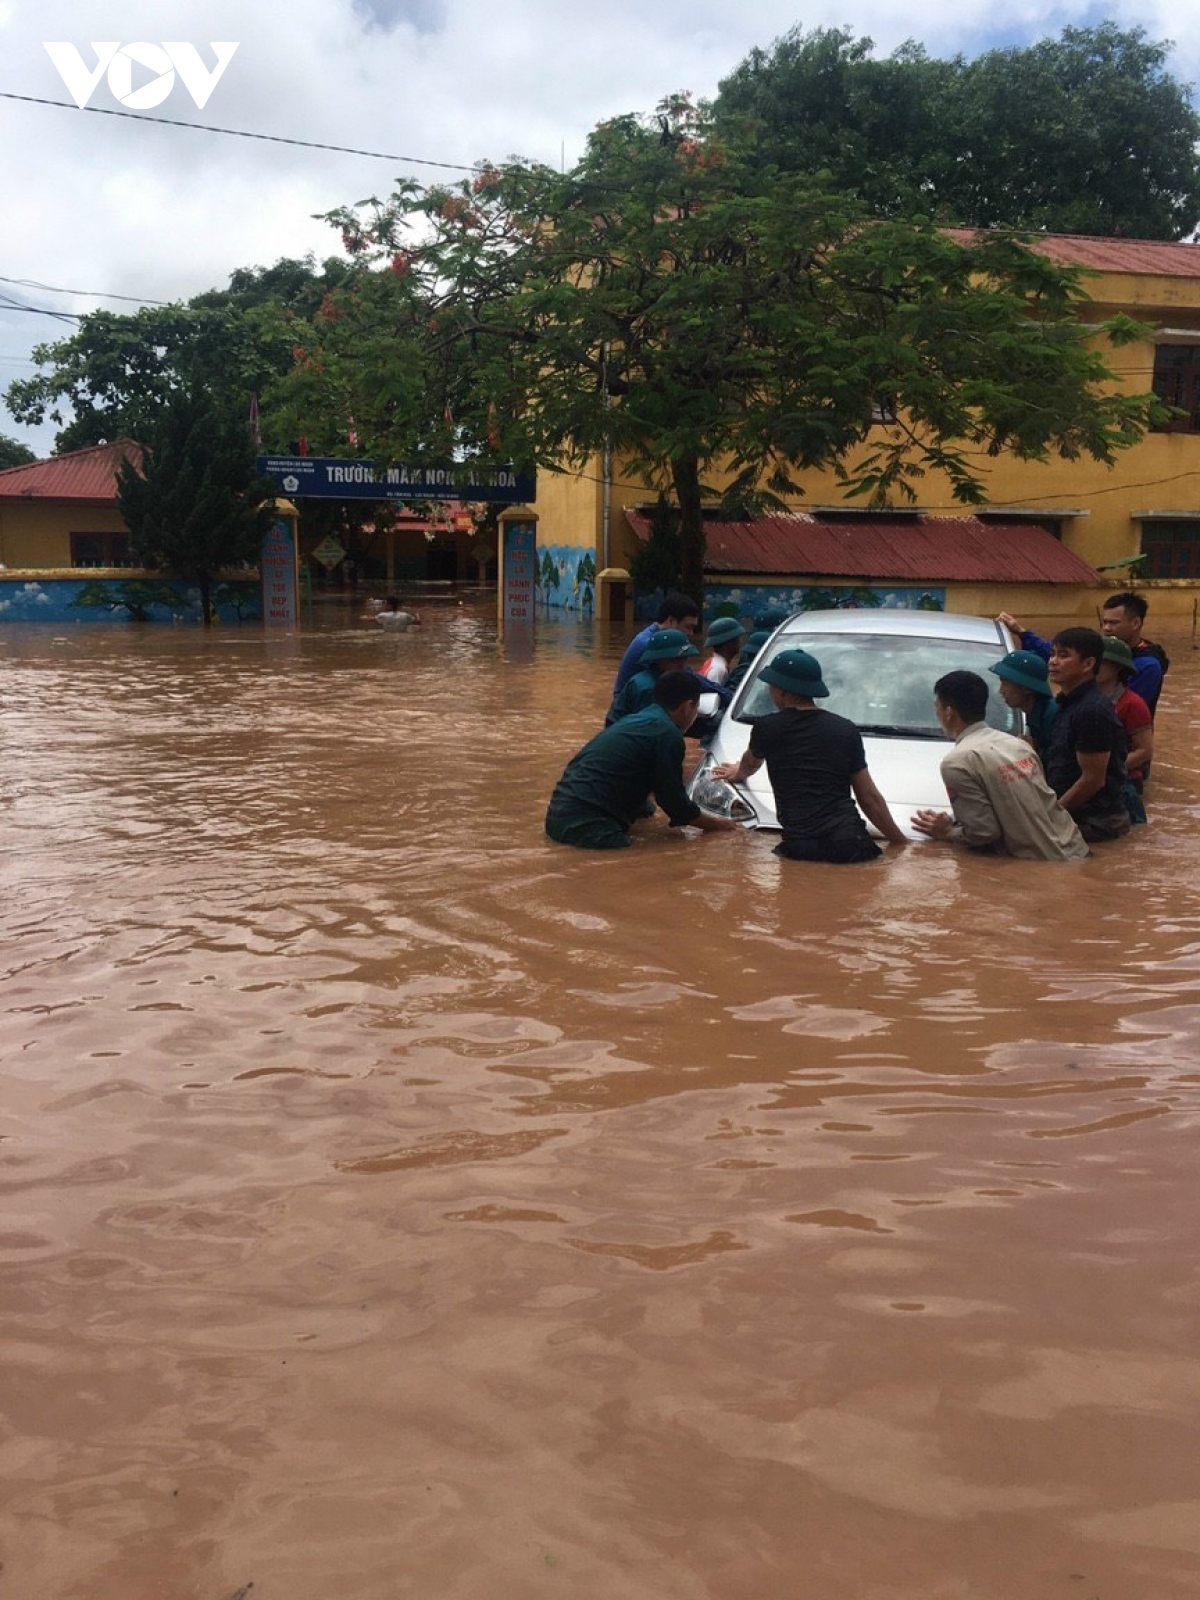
(1117, 650)
(668, 644)
(723, 630)
(796, 672)
(1026, 669)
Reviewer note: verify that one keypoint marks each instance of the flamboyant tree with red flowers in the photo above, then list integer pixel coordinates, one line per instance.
(714, 323)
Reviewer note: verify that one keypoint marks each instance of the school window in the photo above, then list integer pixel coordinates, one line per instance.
(1171, 549)
(100, 550)
(1177, 382)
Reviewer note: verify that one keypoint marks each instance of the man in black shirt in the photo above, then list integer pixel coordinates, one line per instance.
(817, 767)
(1084, 757)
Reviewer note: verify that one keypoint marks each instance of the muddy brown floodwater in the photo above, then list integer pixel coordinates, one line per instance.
(396, 1204)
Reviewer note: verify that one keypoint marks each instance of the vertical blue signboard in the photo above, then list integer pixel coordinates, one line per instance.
(520, 574)
(279, 574)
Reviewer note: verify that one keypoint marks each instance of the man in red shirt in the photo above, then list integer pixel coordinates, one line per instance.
(1116, 669)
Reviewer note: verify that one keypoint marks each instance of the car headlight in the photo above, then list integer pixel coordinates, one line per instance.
(720, 798)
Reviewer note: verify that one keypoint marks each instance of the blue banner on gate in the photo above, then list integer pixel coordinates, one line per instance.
(329, 478)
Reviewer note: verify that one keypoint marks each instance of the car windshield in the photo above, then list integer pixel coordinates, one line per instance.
(883, 682)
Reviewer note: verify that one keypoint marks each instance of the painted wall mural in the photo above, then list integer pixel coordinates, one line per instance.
(122, 600)
(774, 601)
(566, 576)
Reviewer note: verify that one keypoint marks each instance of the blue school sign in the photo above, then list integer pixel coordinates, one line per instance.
(329, 478)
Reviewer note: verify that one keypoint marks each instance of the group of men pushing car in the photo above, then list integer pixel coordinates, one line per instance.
(1088, 698)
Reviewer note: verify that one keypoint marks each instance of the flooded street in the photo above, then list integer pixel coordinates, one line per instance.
(397, 1204)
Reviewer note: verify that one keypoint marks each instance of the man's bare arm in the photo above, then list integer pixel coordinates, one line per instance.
(875, 808)
(739, 771)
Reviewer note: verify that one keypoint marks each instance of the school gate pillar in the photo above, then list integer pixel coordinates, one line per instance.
(279, 567)
(518, 572)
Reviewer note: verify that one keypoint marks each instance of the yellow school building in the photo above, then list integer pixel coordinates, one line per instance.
(1051, 539)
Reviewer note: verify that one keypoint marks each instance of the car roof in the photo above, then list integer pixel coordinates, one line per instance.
(876, 620)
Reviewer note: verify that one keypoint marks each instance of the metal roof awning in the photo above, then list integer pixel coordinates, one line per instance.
(916, 548)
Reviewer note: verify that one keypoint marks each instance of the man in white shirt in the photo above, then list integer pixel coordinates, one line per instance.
(998, 794)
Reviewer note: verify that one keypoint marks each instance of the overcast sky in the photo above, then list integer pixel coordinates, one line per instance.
(110, 205)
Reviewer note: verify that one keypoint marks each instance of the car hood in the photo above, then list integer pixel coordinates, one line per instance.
(906, 772)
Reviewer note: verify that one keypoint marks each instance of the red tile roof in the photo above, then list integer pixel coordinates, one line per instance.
(917, 549)
(79, 475)
(1154, 258)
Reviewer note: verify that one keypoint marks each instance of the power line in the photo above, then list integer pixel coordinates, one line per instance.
(91, 294)
(239, 133)
(8, 304)
(1114, 488)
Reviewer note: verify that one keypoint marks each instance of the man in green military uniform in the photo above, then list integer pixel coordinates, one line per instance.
(666, 652)
(1025, 687)
(754, 643)
(605, 787)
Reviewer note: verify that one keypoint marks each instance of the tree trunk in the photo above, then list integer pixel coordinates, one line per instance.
(685, 474)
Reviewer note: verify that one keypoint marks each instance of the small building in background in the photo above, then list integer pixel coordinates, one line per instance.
(61, 514)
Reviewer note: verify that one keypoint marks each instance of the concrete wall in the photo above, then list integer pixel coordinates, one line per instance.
(37, 533)
(568, 510)
(1030, 602)
(751, 595)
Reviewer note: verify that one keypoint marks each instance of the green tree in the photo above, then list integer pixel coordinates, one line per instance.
(1087, 133)
(196, 506)
(13, 453)
(111, 378)
(711, 319)
(345, 381)
(658, 560)
(821, 102)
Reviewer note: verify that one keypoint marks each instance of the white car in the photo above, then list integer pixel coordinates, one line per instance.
(880, 668)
